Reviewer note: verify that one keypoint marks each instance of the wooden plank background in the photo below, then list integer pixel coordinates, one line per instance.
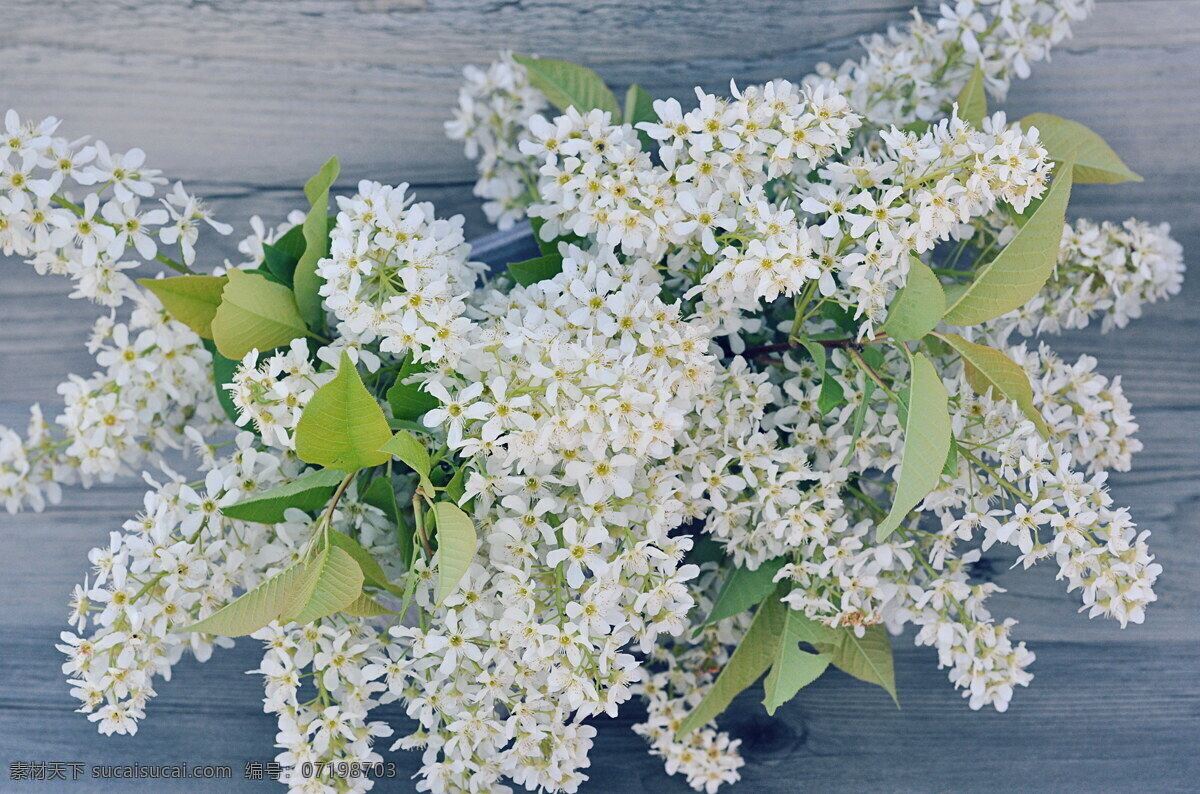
(244, 99)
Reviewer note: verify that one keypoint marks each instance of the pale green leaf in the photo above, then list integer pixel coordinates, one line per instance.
(1095, 161)
(408, 450)
(255, 314)
(570, 85)
(743, 588)
(972, 99)
(372, 571)
(918, 307)
(365, 607)
(316, 243)
(342, 426)
(331, 581)
(750, 659)
(987, 368)
(253, 609)
(926, 443)
(867, 658)
(1019, 271)
(192, 300)
(307, 492)
(792, 669)
(456, 547)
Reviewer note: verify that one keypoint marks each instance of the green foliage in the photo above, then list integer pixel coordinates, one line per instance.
(382, 495)
(372, 571)
(255, 314)
(342, 426)
(551, 246)
(537, 269)
(412, 453)
(254, 609)
(639, 107)
(832, 394)
(754, 654)
(192, 300)
(918, 306)
(744, 588)
(1019, 271)
(926, 443)
(408, 400)
(791, 668)
(972, 100)
(1095, 161)
(456, 547)
(365, 607)
(867, 658)
(568, 84)
(330, 581)
(223, 370)
(316, 243)
(987, 368)
(307, 492)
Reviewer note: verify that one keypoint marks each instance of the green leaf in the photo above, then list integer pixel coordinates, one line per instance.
(1019, 271)
(639, 107)
(408, 400)
(366, 607)
(537, 269)
(744, 588)
(223, 370)
(254, 609)
(255, 314)
(917, 307)
(372, 571)
(987, 368)
(192, 300)
(330, 582)
(456, 547)
(1095, 161)
(342, 426)
(972, 99)
(569, 84)
(316, 243)
(406, 448)
(308, 492)
(950, 467)
(791, 668)
(550, 247)
(382, 495)
(867, 658)
(926, 443)
(831, 394)
(456, 488)
(752, 657)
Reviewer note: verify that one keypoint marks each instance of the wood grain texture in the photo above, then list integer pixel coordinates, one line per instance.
(245, 99)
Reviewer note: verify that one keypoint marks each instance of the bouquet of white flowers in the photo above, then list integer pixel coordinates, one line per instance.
(766, 394)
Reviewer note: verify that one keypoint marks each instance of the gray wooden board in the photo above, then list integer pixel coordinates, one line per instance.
(245, 99)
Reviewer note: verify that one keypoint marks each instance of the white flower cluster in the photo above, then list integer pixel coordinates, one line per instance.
(913, 73)
(1103, 269)
(923, 189)
(495, 106)
(1085, 411)
(155, 381)
(566, 406)
(708, 199)
(177, 562)
(273, 394)
(398, 274)
(154, 372)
